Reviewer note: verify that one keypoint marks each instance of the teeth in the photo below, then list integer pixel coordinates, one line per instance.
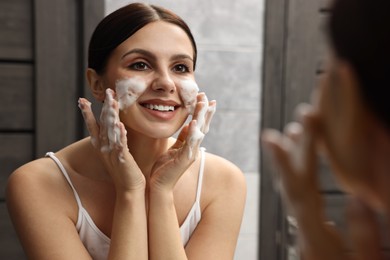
(160, 107)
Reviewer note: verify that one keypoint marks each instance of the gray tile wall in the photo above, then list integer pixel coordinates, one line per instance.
(229, 34)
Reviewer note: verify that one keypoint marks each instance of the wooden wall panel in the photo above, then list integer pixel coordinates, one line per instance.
(16, 149)
(58, 73)
(93, 13)
(41, 76)
(16, 97)
(16, 27)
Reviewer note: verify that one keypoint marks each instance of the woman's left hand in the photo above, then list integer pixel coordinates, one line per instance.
(171, 165)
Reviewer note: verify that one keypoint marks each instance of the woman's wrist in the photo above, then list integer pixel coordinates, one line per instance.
(160, 194)
(130, 194)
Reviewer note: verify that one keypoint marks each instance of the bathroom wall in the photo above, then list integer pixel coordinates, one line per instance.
(229, 35)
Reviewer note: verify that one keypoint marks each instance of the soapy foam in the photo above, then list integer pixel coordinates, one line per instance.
(188, 92)
(211, 111)
(109, 121)
(203, 119)
(128, 90)
(196, 136)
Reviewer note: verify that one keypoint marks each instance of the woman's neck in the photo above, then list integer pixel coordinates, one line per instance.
(146, 150)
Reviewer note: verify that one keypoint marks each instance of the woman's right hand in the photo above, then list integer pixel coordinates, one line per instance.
(109, 139)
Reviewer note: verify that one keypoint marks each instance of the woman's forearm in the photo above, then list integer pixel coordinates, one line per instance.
(164, 231)
(129, 237)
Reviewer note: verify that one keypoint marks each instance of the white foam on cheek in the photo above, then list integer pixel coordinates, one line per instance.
(128, 90)
(188, 92)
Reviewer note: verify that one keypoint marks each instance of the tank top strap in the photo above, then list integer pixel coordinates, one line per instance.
(66, 175)
(201, 170)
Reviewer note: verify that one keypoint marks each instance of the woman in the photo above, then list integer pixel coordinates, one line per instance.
(348, 125)
(131, 191)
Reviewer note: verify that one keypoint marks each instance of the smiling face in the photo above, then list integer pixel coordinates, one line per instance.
(153, 76)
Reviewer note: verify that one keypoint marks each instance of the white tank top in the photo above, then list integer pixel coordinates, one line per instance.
(98, 244)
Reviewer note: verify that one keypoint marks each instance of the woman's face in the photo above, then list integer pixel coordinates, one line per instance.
(153, 76)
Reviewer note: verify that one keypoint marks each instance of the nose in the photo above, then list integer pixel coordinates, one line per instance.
(164, 83)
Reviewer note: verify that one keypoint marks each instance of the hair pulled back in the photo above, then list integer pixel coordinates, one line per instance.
(360, 34)
(123, 23)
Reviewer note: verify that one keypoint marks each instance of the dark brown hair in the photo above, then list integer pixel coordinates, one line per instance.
(124, 22)
(360, 34)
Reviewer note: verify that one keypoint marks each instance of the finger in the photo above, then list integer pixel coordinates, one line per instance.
(122, 147)
(201, 110)
(209, 115)
(294, 131)
(181, 138)
(103, 138)
(193, 140)
(364, 231)
(276, 145)
(109, 133)
(310, 133)
(90, 121)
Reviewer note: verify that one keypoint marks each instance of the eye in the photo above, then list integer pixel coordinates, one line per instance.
(139, 66)
(181, 68)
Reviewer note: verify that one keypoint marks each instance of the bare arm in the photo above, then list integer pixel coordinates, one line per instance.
(44, 212)
(216, 235)
(129, 236)
(213, 240)
(164, 233)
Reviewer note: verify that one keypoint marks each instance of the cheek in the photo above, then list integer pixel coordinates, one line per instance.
(188, 93)
(128, 90)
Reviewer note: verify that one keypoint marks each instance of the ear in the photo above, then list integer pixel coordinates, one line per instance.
(96, 85)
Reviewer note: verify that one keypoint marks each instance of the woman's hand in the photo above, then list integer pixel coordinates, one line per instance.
(294, 153)
(170, 166)
(364, 230)
(295, 157)
(109, 139)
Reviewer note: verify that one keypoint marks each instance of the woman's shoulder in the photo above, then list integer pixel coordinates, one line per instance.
(34, 178)
(223, 172)
(41, 177)
(37, 191)
(219, 164)
(34, 170)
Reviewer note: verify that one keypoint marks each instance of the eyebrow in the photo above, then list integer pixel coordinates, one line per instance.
(181, 57)
(153, 57)
(140, 51)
